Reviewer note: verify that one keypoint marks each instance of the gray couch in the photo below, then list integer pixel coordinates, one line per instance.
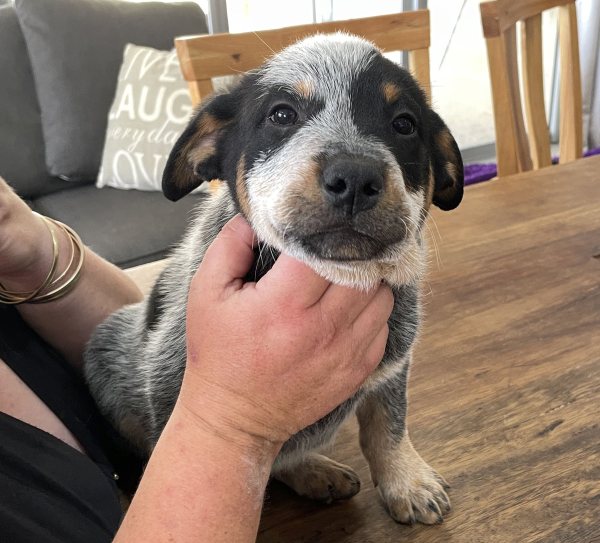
(125, 227)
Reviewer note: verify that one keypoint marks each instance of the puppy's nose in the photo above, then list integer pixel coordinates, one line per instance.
(352, 185)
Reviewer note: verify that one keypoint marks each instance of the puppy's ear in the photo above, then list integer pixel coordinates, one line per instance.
(194, 158)
(447, 166)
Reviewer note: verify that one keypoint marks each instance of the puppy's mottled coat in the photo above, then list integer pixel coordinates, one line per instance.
(333, 155)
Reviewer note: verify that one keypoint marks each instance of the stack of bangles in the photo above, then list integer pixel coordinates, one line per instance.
(66, 283)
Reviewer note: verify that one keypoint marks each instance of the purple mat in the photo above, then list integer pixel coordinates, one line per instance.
(476, 173)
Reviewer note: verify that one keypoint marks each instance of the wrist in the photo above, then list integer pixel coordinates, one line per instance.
(229, 439)
(199, 475)
(37, 257)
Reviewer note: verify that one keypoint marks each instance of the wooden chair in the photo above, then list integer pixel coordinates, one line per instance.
(204, 57)
(499, 20)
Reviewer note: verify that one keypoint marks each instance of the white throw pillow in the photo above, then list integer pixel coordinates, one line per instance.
(151, 109)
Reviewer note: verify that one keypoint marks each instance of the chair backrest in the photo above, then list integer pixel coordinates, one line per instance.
(513, 150)
(204, 57)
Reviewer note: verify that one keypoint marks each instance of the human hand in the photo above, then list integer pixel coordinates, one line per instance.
(267, 359)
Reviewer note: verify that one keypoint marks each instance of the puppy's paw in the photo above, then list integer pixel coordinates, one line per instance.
(419, 499)
(320, 478)
(411, 489)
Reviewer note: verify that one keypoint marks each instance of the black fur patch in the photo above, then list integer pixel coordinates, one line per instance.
(253, 133)
(374, 116)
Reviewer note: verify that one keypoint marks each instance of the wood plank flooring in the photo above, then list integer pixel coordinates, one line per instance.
(504, 394)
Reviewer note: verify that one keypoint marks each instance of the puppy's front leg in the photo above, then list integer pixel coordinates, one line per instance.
(318, 478)
(411, 489)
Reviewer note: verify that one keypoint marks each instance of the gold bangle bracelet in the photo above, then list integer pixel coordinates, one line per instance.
(14, 298)
(70, 284)
(63, 274)
(36, 296)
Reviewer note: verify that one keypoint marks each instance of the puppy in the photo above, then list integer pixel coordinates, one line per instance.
(333, 155)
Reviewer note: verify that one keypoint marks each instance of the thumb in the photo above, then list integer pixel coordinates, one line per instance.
(228, 259)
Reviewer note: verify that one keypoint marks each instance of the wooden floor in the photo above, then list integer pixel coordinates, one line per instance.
(504, 395)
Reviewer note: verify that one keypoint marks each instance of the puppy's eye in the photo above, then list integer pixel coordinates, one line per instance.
(403, 124)
(283, 115)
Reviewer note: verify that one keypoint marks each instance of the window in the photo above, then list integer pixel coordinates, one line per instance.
(459, 71)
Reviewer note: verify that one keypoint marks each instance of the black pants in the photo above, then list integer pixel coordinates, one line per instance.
(50, 492)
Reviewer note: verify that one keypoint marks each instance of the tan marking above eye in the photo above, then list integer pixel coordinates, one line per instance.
(391, 92)
(304, 88)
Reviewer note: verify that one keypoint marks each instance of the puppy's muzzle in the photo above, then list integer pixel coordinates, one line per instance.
(352, 185)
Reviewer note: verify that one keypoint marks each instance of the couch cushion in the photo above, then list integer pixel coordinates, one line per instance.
(76, 49)
(21, 141)
(125, 227)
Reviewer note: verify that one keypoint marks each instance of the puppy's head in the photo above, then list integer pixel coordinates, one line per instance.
(332, 154)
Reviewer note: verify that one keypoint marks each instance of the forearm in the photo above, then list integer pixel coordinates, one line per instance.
(199, 486)
(68, 322)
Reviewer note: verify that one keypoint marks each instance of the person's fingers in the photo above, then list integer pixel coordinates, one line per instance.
(367, 361)
(229, 257)
(344, 304)
(293, 282)
(374, 353)
(378, 309)
(373, 318)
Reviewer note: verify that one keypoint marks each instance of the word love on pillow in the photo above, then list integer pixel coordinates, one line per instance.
(151, 108)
